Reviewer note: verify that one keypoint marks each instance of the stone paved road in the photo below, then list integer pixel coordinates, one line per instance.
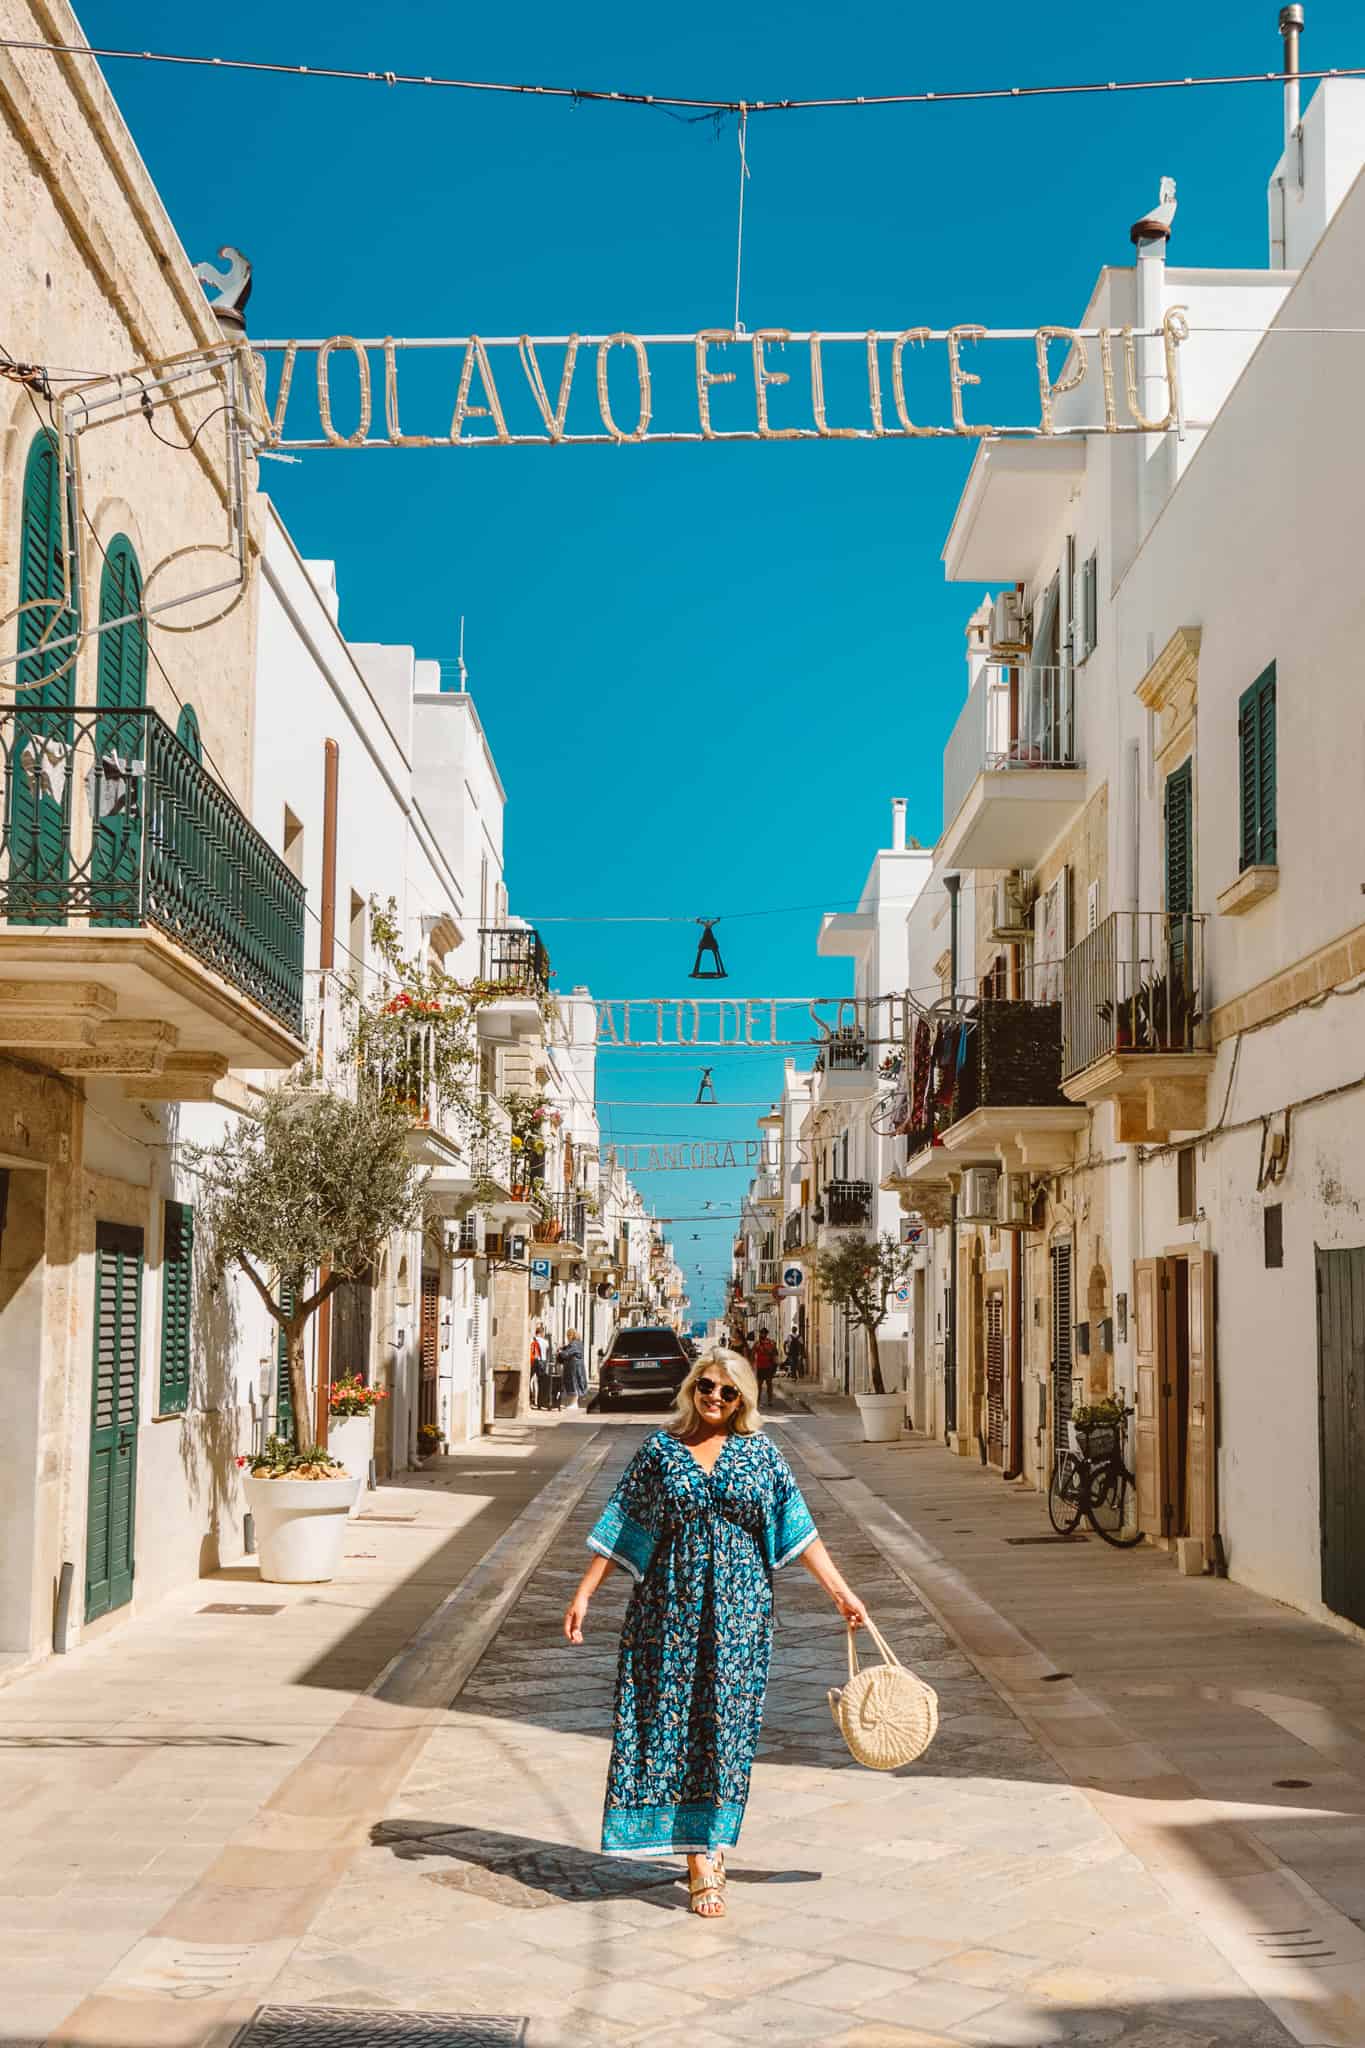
(971, 1898)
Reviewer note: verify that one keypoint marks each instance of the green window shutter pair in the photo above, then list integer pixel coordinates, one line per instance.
(1256, 757)
(1090, 604)
(177, 1302)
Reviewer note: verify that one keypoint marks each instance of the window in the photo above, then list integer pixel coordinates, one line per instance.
(1088, 608)
(187, 732)
(1179, 857)
(177, 1301)
(1256, 751)
(1187, 1197)
(1273, 1214)
(293, 843)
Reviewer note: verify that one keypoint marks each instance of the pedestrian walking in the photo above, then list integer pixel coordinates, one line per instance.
(573, 1371)
(704, 1514)
(795, 1360)
(765, 1368)
(540, 1384)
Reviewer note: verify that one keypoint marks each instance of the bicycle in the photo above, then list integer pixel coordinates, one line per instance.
(1095, 1481)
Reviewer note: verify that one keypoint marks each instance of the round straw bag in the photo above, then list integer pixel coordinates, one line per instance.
(885, 1714)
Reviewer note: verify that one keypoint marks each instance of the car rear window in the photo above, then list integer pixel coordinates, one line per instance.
(647, 1344)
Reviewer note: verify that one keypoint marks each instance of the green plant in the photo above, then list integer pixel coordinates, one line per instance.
(350, 1396)
(429, 1439)
(1096, 1414)
(860, 1277)
(419, 1046)
(304, 1197)
(283, 1460)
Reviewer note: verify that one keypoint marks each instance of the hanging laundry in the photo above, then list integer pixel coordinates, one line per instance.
(111, 786)
(45, 763)
(945, 1060)
(921, 1061)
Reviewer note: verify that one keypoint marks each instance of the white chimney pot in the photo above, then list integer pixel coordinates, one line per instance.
(898, 824)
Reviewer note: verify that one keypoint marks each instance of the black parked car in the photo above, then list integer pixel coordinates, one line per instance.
(644, 1359)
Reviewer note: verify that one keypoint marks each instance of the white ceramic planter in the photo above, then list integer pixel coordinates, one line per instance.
(300, 1526)
(350, 1440)
(883, 1416)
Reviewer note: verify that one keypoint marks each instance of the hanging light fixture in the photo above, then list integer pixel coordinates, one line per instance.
(709, 951)
(706, 1087)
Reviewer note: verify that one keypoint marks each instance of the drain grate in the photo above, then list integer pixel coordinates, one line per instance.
(240, 1607)
(339, 2026)
(1295, 1945)
(1020, 1542)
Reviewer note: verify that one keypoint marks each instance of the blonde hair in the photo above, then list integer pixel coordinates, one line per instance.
(740, 1374)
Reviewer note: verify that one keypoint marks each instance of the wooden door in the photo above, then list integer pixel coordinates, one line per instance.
(112, 1493)
(1061, 1346)
(1149, 1345)
(1201, 1463)
(428, 1406)
(995, 1378)
(1341, 1429)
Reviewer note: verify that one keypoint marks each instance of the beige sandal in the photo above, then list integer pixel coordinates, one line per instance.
(708, 1888)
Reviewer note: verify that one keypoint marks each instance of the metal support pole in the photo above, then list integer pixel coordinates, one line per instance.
(952, 883)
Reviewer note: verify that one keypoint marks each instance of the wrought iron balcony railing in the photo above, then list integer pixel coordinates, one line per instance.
(1134, 985)
(563, 1219)
(515, 959)
(1012, 719)
(109, 823)
(845, 1052)
(847, 1202)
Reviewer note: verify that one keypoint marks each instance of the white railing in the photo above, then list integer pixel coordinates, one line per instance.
(1012, 719)
(767, 1187)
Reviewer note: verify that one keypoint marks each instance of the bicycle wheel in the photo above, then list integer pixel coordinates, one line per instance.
(1064, 1494)
(1112, 1507)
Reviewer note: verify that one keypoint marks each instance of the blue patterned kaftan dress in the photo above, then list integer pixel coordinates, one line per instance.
(695, 1646)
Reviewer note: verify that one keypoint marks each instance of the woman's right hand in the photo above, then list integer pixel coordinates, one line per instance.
(575, 1614)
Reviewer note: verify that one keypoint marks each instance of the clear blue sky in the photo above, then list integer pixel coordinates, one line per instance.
(704, 671)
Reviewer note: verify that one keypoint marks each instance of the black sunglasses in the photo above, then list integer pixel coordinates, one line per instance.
(717, 1390)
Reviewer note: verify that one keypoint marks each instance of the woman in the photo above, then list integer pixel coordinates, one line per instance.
(573, 1372)
(705, 1512)
(765, 1368)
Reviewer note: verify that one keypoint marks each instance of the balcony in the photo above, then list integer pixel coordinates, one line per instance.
(766, 1191)
(846, 1204)
(1007, 1106)
(562, 1221)
(1011, 779)
(846, 1067)
(516, 963)
(149, 931)
(1135, 1023)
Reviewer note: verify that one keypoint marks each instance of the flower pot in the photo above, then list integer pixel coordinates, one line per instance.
(883, 1417)
(350, 1440)
(300, 1524)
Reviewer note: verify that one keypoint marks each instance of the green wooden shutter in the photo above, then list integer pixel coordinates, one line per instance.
(284, 1393)
(1179, 850)
(187, 732)
(1179, 861)
(122, 687)
(112, 1489)
(1256, 763)
(38, 826)
(177, 1301)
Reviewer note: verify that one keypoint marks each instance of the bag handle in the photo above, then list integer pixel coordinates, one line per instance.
(888, 1654)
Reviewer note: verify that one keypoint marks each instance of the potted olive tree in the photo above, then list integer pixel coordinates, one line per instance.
(860, 1277)
(300, 1199)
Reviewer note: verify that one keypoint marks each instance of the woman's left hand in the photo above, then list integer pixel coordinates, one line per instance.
(852, 1609)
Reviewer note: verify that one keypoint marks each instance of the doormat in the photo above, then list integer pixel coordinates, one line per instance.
(339, 2026)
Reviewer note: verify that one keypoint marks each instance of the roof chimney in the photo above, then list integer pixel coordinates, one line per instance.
(1291, 27)
(898, 824)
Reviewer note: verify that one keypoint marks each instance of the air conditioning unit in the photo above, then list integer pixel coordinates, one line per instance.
(1010, 627)
(1012, 922)
(978, 1204)
(1015, 1202)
